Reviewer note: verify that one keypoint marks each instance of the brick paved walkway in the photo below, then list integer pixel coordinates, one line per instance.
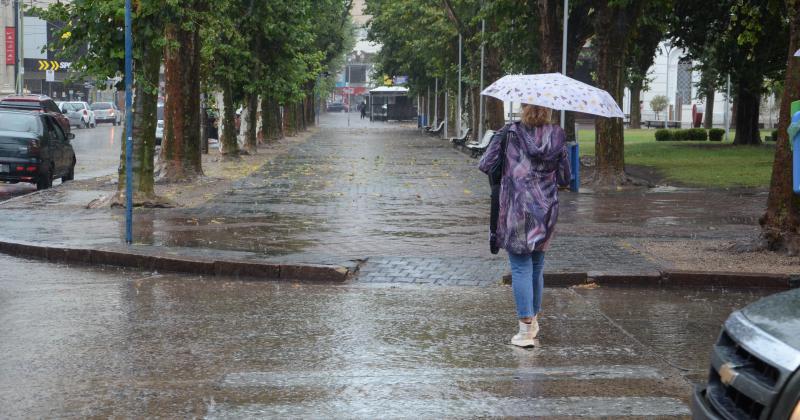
(412, 205)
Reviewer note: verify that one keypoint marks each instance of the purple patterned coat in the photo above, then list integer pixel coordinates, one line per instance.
(536, 164)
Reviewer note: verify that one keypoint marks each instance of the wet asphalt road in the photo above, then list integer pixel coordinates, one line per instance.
(80, 342)
(97, 151)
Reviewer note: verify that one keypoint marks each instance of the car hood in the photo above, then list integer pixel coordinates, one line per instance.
(778, 315)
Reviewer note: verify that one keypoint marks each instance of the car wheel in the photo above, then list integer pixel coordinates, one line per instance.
(71, 174)
(45, 180)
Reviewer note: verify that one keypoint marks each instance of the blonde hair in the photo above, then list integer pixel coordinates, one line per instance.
(536, 116)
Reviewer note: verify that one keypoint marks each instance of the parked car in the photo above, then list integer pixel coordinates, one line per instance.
(34, 149)
(37, 103)
(755, 364)
(80, 112)
(159, 124)
(107, 112)
(336, 107)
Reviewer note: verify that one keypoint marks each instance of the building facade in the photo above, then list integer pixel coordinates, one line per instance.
(43, 72)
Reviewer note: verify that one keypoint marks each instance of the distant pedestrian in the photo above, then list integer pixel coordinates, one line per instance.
(534, 165)
(363, 110)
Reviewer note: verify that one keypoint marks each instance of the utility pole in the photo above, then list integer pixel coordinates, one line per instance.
(20, 25)
(480, 95)
(458, 105)
(128, 124)
(727, 108)
(436, 103)
(564, 54)
(348, 91)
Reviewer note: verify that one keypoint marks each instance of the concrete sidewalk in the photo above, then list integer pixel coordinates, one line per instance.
(411, 206)
(101, 342)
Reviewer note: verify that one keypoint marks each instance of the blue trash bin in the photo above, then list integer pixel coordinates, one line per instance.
(575, 164)
(794, 138)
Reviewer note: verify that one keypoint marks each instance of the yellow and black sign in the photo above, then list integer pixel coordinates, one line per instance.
(49, 65)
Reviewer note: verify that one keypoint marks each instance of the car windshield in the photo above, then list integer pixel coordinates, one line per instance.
(77, 105)
(100, 105)
(71, 106)
(12, 121)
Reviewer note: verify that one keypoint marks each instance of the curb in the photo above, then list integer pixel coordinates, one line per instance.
(184, 265)
(671, 278)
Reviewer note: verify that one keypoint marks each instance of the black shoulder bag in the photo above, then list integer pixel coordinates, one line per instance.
(495, 178)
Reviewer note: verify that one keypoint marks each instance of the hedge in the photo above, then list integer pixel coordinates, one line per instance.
(716, 134)
(691, 134)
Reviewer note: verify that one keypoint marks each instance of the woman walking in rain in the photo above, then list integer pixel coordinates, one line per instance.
(534, 162)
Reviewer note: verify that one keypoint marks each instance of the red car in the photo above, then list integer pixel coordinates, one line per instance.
(40, 103)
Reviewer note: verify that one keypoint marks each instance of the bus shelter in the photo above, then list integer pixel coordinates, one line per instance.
(391, 103)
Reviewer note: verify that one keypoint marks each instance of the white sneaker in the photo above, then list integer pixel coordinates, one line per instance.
(527, 333)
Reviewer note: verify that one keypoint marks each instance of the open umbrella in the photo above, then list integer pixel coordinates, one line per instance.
(556, 91)
(797, 53)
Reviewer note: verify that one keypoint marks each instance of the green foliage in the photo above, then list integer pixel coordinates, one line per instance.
(663, 135)
(698, 134)
(658, 103)
(716, 134)
(691, 134)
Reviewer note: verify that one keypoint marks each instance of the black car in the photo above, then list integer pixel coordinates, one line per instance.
(755, 364)
(34, 149)
(336, 107)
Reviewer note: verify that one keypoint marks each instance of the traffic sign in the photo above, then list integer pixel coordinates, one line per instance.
(50, 76)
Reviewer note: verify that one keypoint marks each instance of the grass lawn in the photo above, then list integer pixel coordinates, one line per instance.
(701, 164)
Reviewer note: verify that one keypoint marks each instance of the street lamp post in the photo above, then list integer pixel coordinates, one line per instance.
(128, 125)
(348, 91)
(458, 105)
(669, 48)
(480, 96)
(564, 54)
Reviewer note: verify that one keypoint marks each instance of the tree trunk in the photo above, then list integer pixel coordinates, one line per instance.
(251, 135)
(615, 25)
(180, 150)
(494, 113)
(144, 135)
(290, 119)
(709, 110)
(636, 109)
(781, 223)
(270, 119)
(550, 32)
(748, 105)
(229, 140)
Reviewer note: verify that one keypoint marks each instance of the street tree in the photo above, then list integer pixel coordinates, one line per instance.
(615, 25)
(781, 222)
(641, 53)
(180, 158)
(99, 24)
(743, 39)
(658, 103)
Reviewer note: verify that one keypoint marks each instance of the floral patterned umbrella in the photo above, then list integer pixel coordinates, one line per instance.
(556, 91)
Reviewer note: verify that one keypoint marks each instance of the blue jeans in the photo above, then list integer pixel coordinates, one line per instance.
(527, 280)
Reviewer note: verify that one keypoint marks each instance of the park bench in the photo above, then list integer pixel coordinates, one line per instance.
(460, 140)
(660, 124)
(438, 130)
(477, 149)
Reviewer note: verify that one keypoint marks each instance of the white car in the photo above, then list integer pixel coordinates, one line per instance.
(79, 113)
(107, 112)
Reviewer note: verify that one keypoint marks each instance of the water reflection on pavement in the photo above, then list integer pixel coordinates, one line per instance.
(102, 342)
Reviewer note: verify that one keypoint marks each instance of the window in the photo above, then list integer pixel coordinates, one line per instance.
(51, 106)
